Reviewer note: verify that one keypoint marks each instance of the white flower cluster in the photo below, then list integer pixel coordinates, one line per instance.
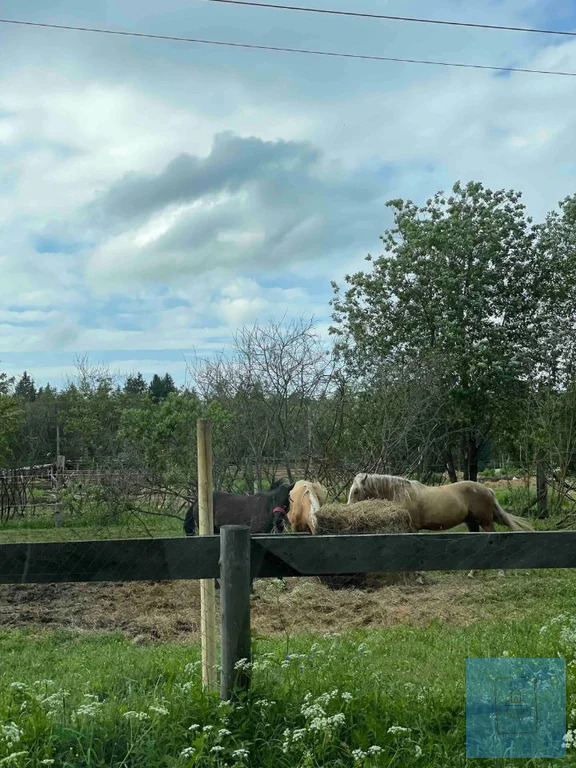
(570, 739)
(12, 757)
(54, 702)
(399, 729)
(360, 754)
(317, 718)
(11, 734)
(265, 661)
(131, 715)
(88, 709)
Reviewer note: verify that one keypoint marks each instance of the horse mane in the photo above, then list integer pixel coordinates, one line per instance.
(391, 487)
(317, 494)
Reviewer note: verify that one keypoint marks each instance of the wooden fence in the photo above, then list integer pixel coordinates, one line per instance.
(235, 557)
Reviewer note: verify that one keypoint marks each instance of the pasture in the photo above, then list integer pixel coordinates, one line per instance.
(109, 675)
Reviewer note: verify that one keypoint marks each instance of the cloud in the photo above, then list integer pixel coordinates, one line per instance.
(232, 162)
(249, 203)
(158, 195)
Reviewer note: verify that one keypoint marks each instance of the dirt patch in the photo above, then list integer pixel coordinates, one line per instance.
(170, 611)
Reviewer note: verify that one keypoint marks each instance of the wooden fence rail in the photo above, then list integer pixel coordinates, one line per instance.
(275, 556)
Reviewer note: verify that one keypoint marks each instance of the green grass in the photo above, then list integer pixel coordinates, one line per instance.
(402, 676)
(75, 529)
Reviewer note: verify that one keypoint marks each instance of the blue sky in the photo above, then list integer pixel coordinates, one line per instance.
(155, 196)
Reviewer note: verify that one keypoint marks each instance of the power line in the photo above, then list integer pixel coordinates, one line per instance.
(308, 51)
(396, 18)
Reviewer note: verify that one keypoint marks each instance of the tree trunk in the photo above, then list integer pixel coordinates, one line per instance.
(465, 460)
(472, 460)
(451, 468)
(541, 490)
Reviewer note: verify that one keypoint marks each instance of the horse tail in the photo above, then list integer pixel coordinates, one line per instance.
(513, 522)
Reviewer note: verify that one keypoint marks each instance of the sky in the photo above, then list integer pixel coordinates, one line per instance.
(155, 196)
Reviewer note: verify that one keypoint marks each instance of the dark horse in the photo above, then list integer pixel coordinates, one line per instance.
(263, 512)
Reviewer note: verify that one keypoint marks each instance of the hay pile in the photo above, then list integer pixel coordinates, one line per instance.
(370, 516)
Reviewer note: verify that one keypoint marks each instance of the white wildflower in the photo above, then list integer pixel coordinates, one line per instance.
(223, 732)
(240, 754)
(398, 729)
(217, 748)
(16, 686)
(374, 750)
(208, 728)
(12, 756)
(347, 696)
(193, 727)
(187, 752)
(242, 664)
(159, 709)
(327, 724)
(131, 715)
(358, 755)
(505, 653)
(89, 709)
(11, 733)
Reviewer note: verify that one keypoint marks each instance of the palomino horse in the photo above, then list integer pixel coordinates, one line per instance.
(306, 498)
(439, 507)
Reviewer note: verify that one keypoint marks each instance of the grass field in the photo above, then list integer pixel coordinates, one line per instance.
(107, 675)
(392, 697)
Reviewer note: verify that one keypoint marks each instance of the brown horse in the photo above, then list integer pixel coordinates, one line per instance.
(306, 498)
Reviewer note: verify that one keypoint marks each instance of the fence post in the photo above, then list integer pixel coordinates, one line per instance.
(206, 528)
(235, 586)
(60, 467)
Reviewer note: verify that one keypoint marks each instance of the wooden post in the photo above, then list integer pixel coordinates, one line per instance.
(60, 465)
(235, 607)
(206, 528)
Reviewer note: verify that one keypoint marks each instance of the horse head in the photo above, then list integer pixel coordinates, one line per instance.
(358, 488)
(281, 496)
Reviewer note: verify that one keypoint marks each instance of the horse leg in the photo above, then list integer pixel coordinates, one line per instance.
(474, 527)
(489, 528)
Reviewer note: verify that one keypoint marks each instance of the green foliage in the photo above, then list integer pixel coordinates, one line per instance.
(10, 415)
(462, 289)
(25, 388)
(161, 435)
(135, 385)
(160, 388)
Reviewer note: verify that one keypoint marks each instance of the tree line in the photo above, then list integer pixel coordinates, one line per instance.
(452, 349)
